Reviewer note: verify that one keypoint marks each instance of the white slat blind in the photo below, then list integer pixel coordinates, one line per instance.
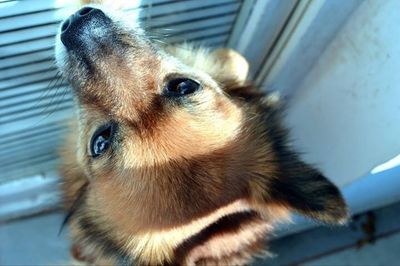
(35, 102)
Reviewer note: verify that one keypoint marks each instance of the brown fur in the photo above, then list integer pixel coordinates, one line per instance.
(199, 180)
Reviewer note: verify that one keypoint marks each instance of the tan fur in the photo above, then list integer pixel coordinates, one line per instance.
(199, 181)
(225, 245)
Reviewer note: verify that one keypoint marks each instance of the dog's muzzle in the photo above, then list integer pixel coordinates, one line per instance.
(86, 25)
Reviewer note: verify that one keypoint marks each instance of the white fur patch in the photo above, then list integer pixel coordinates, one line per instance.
(158, 246)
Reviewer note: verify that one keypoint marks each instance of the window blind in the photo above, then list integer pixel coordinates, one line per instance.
(35, 102)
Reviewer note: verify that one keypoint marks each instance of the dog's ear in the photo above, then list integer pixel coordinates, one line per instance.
(303, 189)
(232, 65)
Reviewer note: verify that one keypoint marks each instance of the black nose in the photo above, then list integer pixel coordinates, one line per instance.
(72, 28)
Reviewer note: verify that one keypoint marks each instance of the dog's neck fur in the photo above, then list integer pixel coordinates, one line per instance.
(231, 235)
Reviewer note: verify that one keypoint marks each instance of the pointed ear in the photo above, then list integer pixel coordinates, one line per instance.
(233, 66)
(303, 189)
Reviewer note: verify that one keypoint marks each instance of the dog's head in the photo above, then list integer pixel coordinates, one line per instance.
(177, 154)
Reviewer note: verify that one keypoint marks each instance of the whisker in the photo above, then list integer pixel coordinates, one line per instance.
(53, 96)
(46, 91)
(48, 109)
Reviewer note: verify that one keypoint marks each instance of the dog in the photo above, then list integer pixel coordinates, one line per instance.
(174, 158)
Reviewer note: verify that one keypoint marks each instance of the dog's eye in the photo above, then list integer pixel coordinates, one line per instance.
(101, 140)
(181, 87)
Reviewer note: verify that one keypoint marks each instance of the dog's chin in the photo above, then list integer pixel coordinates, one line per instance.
(60, 54)
(68, 65)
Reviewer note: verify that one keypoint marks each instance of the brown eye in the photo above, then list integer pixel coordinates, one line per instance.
(181, 87)
(101, 140)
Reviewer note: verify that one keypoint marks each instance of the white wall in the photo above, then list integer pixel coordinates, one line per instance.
(345, 115)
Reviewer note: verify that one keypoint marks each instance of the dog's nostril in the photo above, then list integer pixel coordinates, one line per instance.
(65, 25)
(86, 10)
